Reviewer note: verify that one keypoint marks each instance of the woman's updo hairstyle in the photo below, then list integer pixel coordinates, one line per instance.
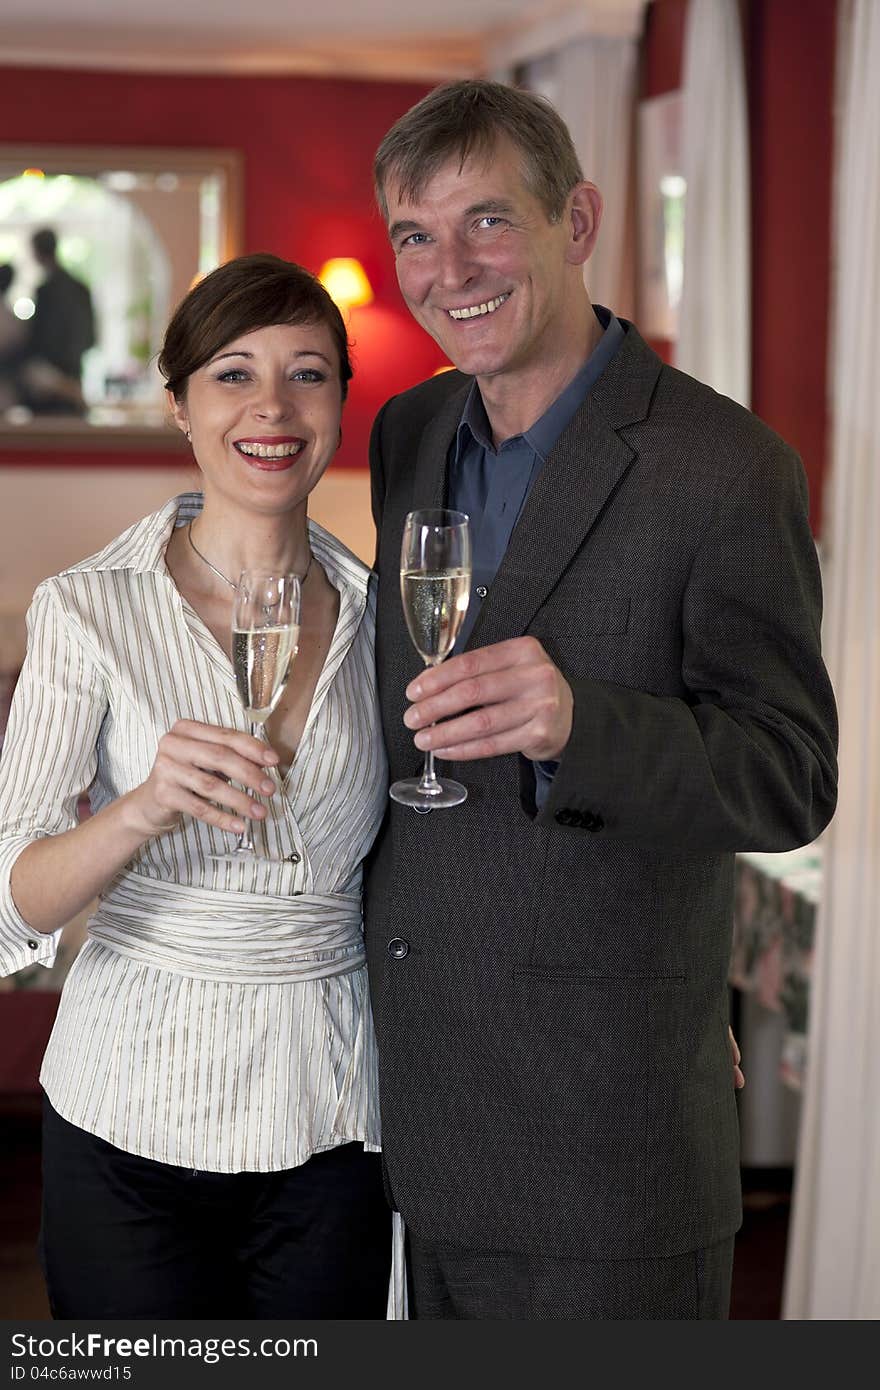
(239, 297)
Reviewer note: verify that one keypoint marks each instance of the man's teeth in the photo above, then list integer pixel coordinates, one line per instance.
(475, 310)
(268, 451)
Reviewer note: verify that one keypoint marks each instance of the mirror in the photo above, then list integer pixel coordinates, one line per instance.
(97, 246)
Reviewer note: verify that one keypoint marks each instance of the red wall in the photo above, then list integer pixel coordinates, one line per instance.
(791, 81)
(789, 51)
(307, 145)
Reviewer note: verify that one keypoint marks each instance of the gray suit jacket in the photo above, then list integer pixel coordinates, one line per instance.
(555, 1073)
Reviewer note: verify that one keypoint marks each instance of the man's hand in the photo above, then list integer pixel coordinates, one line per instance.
(507, 698)
(739, 1079)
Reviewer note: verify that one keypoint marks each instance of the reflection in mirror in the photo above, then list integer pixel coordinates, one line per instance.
(96, 249)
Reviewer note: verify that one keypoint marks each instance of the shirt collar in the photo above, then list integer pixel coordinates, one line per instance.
(141, 548)
(543, 434)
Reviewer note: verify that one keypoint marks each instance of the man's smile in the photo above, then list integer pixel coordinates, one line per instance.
(472, 311)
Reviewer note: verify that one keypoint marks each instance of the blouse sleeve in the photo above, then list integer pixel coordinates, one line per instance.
(49, 759)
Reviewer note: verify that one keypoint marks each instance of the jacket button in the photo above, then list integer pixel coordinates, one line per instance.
(596, 823)
(564, 816)
(398, 948)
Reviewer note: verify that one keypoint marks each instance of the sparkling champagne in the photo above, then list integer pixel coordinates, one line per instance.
(261, 659)
(434, 605)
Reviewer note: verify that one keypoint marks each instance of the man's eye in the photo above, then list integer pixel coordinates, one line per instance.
(490, 221)
(415, 239)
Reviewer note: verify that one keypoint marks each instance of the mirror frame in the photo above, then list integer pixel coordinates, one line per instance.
(69, 432)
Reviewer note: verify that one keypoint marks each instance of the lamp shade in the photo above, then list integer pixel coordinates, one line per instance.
(345, 280)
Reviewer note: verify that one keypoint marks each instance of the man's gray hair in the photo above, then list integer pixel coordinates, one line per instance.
(460, 119)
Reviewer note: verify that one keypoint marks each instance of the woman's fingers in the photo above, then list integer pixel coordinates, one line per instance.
(245, 744)
(199, 809)
(238, 761)
(216, 789)
(209, 773)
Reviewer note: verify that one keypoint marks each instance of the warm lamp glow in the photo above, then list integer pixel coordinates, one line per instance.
(32, 174)
(346, 282)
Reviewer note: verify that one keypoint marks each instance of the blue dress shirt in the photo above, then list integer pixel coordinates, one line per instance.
(492, 485)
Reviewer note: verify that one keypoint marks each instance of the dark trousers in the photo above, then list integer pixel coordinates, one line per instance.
(126, 1237)
(451, 1283)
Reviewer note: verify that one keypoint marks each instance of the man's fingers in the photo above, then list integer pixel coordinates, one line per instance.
(466, 694)
(486, 726)
(482, 661)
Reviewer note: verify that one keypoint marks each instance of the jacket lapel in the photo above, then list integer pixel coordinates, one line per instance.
(570, 493)
(430, 476)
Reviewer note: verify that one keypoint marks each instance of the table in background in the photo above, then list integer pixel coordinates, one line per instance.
(774, 932)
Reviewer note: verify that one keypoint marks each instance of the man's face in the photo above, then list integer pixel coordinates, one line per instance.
(481, 266)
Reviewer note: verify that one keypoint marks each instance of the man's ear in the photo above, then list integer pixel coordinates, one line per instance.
(177, 411)
(584, 214)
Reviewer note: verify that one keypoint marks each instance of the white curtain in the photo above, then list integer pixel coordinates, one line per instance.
(595, 95)
(715, 318)
(833, 1268)
(584, 60)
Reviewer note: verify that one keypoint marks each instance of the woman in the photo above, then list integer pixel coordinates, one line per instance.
(211, 1116)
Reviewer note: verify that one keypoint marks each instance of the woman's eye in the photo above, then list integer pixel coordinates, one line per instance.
(308, 374)
(232, 374)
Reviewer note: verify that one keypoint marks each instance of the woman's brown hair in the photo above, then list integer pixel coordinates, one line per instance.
(245, 294)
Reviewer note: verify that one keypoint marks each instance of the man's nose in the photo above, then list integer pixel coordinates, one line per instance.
(456, 266)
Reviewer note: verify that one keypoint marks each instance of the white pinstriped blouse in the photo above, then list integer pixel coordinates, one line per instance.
(217, 1016)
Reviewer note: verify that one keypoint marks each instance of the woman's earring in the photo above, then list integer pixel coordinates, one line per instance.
(189, 437)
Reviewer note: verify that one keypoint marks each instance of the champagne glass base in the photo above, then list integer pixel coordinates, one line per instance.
(410, 792)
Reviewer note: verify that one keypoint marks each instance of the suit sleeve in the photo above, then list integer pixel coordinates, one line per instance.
(746, 759)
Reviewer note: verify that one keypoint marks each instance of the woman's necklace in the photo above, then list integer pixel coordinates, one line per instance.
(226, 580)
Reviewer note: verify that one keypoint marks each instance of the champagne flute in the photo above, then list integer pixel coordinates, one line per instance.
(265, 640)
(435, 585)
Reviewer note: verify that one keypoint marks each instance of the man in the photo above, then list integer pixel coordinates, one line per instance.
(641, 695)
(62, 329)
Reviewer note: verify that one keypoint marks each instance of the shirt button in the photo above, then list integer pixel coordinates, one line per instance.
(33, 946)
(293, 858)
(398, 948)
(481, 591)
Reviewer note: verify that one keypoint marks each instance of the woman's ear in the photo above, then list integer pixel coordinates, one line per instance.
(177, 410)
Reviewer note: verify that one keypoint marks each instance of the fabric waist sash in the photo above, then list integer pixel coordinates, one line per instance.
(237, 938)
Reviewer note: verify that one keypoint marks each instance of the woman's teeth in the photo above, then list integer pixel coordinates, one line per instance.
(269, 451)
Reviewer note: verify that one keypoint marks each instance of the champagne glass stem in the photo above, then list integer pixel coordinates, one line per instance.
(429, 784)
(245, 843)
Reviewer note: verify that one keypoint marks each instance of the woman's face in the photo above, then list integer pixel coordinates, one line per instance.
(264, 415)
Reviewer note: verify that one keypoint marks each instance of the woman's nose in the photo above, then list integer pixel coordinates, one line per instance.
(273, 403)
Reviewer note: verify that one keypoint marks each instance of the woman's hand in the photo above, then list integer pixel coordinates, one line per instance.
(192, 775)
(739, 1079)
